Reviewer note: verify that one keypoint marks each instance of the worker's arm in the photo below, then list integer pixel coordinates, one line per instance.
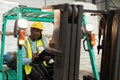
(25, 60)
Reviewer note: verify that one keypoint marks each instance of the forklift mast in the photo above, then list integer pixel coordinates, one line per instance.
(66, 38)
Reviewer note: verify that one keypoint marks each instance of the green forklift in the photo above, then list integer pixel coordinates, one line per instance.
(65, 42)
(21, 14)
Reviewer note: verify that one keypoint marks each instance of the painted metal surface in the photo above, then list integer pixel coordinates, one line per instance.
(91, 53)
(15, 14)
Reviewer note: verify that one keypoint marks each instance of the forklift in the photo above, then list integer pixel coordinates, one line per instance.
(21, 14)
(65, 42)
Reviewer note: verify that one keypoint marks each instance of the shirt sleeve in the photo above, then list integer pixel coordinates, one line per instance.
(25, 60)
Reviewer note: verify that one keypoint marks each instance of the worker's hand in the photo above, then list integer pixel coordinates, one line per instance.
(36, 55)
(47, 57)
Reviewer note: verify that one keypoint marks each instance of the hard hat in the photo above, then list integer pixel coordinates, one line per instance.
(37, 25)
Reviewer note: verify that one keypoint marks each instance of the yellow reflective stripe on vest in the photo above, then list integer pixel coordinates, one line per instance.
(39, 46)
(28, 68)
(44, 41)
(45, 64)
(29, 49)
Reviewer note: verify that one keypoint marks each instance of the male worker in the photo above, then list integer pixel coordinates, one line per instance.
(32, 49)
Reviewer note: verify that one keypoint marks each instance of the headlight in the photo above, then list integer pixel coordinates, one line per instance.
(89, 27)
(22, 23)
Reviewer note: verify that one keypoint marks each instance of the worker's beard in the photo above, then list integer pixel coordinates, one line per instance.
(33, 38)
(36, 37)
(40, 37)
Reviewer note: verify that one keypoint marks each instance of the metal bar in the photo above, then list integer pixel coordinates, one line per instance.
(36, 11)
(110, 67)
(104, 58)
(31, 10)
(96, 11)
(78, 42)
(106, 70)
(19, 64)
(19, 57)
(39, 19)
(2, 47)
(116, 60)
(73, 43)
(12, 17)
(106, 4)
(11, 11)
(91, 54)
(32, 19)
(67, 41)
(61, 65)
(114, 51)
(92, 59)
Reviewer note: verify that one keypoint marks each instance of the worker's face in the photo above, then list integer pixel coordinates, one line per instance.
(36, 33)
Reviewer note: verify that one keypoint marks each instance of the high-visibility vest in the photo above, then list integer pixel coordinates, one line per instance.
(39, 46)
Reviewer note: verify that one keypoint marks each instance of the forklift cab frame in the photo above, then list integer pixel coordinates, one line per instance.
(21, 12)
